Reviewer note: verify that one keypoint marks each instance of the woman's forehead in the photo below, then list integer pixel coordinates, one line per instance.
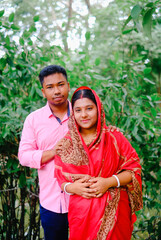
(83, 102)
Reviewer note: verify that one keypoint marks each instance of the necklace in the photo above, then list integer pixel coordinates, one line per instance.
(89, 138)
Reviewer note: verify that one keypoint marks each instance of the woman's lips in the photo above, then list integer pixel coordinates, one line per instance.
(85, 121)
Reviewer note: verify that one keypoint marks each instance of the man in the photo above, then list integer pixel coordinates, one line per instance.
(42, 129)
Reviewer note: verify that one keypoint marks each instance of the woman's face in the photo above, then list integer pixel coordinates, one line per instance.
(85, 113)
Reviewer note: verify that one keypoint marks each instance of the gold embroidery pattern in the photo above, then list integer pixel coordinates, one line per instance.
(71, 176)
(108, 219)
(135, 195)
(71, 150)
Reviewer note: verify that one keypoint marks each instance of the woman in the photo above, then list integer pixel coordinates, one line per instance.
(101, 172)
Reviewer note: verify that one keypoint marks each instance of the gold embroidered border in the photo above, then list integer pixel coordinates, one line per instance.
(108, 219)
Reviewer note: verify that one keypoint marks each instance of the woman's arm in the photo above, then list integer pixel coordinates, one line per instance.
(47, 156)
(101, 185)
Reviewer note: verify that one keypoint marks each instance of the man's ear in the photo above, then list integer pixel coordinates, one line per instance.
(42, 90)
(68, 87)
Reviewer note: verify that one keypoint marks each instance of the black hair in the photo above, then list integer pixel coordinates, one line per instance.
(49, 70)
(83, 93)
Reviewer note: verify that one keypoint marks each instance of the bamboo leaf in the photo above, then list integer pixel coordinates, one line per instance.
(147, 22)
(1, 13)
(14, 27)
(126, 22)
(127, 31)
(135, 12)
(88, 35)
(11, 17)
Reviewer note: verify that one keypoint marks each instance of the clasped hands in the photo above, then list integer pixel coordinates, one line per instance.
(89, 187)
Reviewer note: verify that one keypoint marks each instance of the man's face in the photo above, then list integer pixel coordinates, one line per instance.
(55, 89)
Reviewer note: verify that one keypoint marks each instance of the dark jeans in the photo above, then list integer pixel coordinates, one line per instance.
(55, 225)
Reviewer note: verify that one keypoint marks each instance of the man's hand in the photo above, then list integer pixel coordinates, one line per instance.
(113, 128)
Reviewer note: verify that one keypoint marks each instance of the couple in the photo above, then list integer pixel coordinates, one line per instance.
(99, 169)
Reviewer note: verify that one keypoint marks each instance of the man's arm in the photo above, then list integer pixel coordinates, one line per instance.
(29, 155)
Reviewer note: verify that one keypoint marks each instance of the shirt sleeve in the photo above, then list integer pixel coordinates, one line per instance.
(29, 155)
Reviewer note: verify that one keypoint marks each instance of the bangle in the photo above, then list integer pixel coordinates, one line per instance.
(65, 188)
(117, 179)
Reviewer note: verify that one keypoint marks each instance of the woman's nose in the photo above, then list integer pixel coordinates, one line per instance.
(84, 114)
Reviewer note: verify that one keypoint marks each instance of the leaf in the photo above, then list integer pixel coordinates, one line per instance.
(88, 35)
(127, 31)
(1, 13)
(32, 29)
(14, 27)
(21, 41)
(155, 97)
(26, 34)
(147, 70)
(44, 59)
(38, 91)
(153, 112)
(36, 18)
(147, 22)
(22, 180)
(30, 42)
(151, 4)
(11, 17)
(135, 12)
(138, 138)
(126, 22)
(7, 40)
(6, 26)
(2, 63)
(138, 59)
(97, 61)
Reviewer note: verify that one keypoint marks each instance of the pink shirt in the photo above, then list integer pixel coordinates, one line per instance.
(41, 132)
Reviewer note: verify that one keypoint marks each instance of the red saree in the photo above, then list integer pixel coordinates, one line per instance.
(112, 215)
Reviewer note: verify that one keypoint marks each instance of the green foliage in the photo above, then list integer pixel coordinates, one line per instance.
(146, 13)
(117, 61)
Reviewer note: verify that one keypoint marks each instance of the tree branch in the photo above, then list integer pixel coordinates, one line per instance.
(88, 5)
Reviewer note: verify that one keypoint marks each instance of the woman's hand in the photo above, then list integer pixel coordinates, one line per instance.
(82, 188)
(100, 185)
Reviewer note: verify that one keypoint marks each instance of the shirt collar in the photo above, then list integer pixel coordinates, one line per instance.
(49, 112)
